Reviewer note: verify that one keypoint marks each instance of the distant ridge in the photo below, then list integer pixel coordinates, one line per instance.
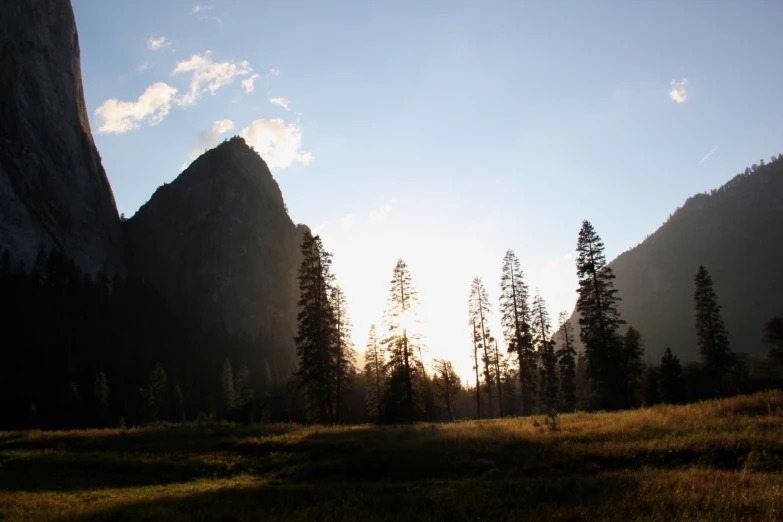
(736, 231)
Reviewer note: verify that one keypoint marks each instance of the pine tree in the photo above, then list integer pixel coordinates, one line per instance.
(315, 374)
(177, 405)
(773, 335)
(515, 318)
(402, 363)
(476, 366)
(541, 329)
(375, 374)
(156, 394)
(100, 390)
(342, 346)
(566, 360)
(479, 309)
(652, 386)
(497, 361)
(227, 386)
(582, 383)
(599, 318)
(717, 357)
(670, 378)
(633, 368)
(243, 395)
(447, 384)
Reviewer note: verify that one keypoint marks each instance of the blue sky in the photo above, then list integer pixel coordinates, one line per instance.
(443, 132)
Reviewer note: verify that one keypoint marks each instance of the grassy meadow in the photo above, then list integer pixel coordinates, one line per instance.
(716, 460)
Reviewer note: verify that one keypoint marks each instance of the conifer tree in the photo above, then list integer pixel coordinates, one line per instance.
(227, 386)
(479, 309)
(717, 357)
(447, 384)
(476, 366)
(773, 335)
(177, 405)
(566, 360)
(100, 391)
(599, 318)
(315, 374)
(670, 378)
(243, 395)
(375, 375)
(156, 394)
(402, 362)
(582, 383)
(541, 329)
(652, 386)
(342, 347)
(515, 318)
(497, 362)
(633, 368)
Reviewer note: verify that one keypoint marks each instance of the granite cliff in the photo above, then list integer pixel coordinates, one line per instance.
(217, 243)
(54, 193)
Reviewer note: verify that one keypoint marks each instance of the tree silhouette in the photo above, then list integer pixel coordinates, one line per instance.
(447, 384)
(599, 318)
(101, 396)
(344, 354)
(541, 329)
(670, 378)
(717, 357)
(156, 393)
(316, 372)
(566, 360)
(375, 374)
(479, 309)
(633, 368)
(227, 386)
(402, 362)
(515, 319)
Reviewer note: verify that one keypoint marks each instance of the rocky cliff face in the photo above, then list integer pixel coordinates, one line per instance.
(53, 190)
(218, 244)
(736, 232)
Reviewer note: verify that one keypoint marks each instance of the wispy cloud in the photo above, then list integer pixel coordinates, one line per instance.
(679, 91)
(208, 75)
(117, 117)
(209, 137)
(201, 7)
(282, 102)
(277, 142)
(381, 214)
(157, 44)
(142, 67)
(705, 158)
(274, 72)
(249, 83)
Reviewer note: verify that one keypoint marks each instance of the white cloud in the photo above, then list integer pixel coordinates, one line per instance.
(157, 44)
(381, 214)
(199, 7)
(282, 102)
(274, 72)
(116, 117)
(710, 153)
(205, 71)
(347, 221)
(142, 67)
(209, 138)
(249, 83)
(277, 142)
(679, 92)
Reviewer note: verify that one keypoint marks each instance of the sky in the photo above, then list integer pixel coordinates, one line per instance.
(443, 132)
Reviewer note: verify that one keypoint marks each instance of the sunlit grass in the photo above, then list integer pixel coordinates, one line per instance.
(717, 460)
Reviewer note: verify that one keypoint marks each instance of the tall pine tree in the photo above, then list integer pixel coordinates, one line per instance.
(315, 374)
(447, 384)
(515, 318)
(566, 361)
(402, 364)
(632, 377)
(479, 309)
(342, 347)
(546, 353)
(600, 319)
(717, 357)
(670, 378)
(375, 375)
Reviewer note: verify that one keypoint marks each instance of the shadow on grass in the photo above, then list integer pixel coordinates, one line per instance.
(469, 499)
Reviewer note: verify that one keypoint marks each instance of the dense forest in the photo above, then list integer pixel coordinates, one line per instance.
(81, 351)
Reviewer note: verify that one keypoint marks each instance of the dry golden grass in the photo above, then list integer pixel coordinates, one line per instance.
(717, 460)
